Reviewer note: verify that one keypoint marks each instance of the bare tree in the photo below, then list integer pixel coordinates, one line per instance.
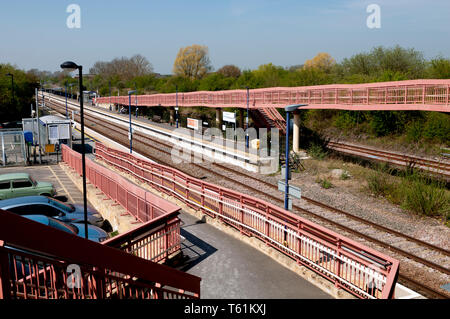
(125, 68)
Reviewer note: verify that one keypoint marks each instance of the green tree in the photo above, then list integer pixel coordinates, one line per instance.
(439, 68)
(24, 89)
(192, 62)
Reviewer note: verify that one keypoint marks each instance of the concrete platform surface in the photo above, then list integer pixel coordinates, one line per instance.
(230, 268)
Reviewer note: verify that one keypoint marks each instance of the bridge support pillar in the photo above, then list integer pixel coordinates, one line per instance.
(172, 115)
(241, 118)
(219, 117)
(296, 141)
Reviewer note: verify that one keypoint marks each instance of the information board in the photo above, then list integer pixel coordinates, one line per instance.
(229, 117)
(193, 123)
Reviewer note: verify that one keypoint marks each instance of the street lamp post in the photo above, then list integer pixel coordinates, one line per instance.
(12, 85)
(288, 109)
(130, 134)
(67, 115)
(110, 108)
(71, 66)
(246, 120)
(136, 99)
(176, 107)
(43, 98)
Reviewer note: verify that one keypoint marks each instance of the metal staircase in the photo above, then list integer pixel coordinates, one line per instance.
(268, 117)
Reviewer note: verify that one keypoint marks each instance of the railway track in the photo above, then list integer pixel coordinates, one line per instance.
(440, 168)
(250, 183)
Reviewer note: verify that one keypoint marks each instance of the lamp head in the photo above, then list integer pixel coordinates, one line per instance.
(131, 92)
(69, 66)
(292, 108)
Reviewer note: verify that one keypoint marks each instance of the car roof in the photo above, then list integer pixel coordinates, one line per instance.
(23, 200)
(7, 177)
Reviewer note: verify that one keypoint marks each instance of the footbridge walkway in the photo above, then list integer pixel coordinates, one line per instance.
(419, 95)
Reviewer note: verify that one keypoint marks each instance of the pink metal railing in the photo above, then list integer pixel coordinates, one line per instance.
(159, 236)
(354, 267)
(37, 266)
(155, 240)
(141, 204)
(425, 95)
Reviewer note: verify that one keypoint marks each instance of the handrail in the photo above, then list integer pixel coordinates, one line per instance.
(350, 265)
(426, 95)
(92, 257)
(141, 204)
(155, 240)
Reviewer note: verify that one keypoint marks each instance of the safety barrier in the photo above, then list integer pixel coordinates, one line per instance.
(152, 240)
(352, 266)
(155, 240)
(48, 263)
(425, 95)
(141, 204)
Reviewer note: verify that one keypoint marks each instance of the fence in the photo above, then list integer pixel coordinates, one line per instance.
(28, 270)
(356, 268)
(12, 147)
(425, 95)
(152, 240)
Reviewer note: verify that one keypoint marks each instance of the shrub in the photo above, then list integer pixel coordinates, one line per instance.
(378, 183)
(425, 196)
(317, 151)
(414, 131)
(344, 176)
(437, 127)
(324, 183)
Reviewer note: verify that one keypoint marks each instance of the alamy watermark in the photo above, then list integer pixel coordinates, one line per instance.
(74, 19)
(374, 19)
(74, 276)
(197, 147)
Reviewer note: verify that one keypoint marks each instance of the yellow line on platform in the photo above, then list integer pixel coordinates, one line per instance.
(62, 185)
(90, 137)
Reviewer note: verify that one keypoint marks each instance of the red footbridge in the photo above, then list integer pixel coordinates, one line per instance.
(417, 95)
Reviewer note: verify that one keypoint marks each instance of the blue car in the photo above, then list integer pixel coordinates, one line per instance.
(94, 233)
(50, 207)
(22, 267)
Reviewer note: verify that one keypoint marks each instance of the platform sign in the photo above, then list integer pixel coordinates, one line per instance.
(294, 191)
(229, 117)
(193, 123)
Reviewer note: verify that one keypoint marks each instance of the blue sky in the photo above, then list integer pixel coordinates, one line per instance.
(246, 33)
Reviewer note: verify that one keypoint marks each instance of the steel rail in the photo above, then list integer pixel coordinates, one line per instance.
(388, 157)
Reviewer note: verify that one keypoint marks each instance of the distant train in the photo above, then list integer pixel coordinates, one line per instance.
(89, 96)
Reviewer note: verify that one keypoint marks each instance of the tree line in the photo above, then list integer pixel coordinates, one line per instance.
(193, 71)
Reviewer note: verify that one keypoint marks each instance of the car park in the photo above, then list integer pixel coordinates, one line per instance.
(50, 207)
(22, 184)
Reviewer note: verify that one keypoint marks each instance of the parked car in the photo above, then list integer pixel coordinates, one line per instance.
(12, 125)
(94, 233)
(22, 184)
(50, 207)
